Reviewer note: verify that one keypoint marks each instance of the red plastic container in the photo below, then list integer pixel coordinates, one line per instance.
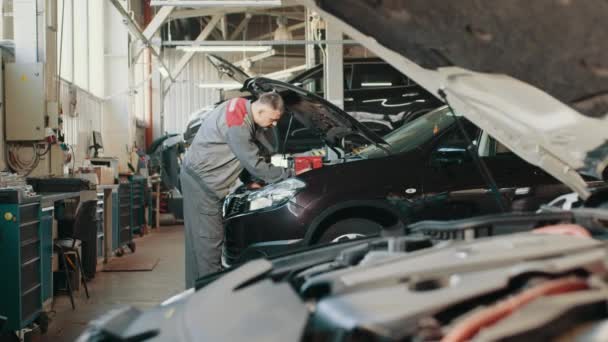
(309, 162)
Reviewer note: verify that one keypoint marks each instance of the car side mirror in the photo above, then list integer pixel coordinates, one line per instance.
(450, 155)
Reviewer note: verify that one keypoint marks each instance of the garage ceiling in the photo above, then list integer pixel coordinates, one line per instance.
(557, 45)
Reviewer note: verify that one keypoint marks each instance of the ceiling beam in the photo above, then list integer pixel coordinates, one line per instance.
(136, 32)
(241, 27)
(218, 3)
(159, 19)
(291, 14)
(257, 42)
(185, 59)
(193, 13)
(291, 28)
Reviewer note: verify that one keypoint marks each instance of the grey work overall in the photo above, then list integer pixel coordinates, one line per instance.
(223, 146)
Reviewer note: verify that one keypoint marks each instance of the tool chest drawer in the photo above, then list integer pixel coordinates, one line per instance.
(30, 274)
(29, 213)
(30, 303)
(30, 251)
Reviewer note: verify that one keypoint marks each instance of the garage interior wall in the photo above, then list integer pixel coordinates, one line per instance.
(185, 96)
(94, 92)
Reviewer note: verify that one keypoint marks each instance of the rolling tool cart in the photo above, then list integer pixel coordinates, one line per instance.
(138, 213)
(100, 233)
(122, 233)
(20, 259)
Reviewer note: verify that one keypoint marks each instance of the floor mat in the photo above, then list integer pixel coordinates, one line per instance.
(131, 263)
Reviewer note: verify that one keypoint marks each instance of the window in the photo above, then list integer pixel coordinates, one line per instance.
(489, 147)
(377, 75)
(454, 140)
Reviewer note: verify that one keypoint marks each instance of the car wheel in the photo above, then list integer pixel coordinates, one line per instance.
(350, 229)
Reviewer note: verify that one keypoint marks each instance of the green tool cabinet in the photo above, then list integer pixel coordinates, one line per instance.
(115, 221)
(21, 248)
(138, 188)
(46, 245)
(100, 234)
(128, 213)
(123, 234)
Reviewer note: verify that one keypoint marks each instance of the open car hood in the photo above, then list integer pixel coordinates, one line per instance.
(330, 122)
(226, 68)
(552, 109)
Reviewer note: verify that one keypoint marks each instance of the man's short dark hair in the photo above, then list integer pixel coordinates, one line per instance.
(274, 100)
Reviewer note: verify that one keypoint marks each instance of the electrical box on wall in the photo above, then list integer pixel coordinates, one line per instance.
(25, 102)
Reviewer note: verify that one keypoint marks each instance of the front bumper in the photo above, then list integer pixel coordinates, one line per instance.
(263, 233)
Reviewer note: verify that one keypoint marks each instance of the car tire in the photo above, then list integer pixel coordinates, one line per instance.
(349, 229)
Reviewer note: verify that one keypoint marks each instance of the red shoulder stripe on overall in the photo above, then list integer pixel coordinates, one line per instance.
(236, 110)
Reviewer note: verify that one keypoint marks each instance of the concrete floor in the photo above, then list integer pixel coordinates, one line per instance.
(110, 290)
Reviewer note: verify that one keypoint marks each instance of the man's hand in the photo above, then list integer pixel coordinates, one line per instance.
(254, 185)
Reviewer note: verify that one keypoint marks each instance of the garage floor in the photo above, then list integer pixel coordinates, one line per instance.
(111, 290)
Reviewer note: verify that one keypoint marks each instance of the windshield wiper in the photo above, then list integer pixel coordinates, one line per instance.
(481, 166)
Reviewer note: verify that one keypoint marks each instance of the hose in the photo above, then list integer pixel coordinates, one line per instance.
(470, 326)
(17, 164)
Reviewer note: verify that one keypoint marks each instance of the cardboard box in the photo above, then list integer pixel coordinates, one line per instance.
(105, 174)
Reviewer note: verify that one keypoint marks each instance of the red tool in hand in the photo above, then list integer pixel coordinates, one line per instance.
(303, 164)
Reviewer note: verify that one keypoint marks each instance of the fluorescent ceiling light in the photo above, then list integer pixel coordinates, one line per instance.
(255, 58)
(220, 85)
(376, 84)
(224, 48)
(217, 3)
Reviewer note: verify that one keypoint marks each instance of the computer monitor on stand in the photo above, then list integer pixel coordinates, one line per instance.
(97, 143)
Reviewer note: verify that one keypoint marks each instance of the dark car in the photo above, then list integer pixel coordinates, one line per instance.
(423, 172)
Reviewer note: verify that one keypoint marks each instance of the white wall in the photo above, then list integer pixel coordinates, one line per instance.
(95, 60)
(118, 123)
(184, 96)
(80, 120)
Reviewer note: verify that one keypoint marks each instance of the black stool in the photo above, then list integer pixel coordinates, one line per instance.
(86, 217)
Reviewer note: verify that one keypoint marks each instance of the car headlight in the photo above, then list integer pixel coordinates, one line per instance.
(273, 195)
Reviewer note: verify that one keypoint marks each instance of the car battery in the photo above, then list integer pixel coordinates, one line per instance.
(308, 162)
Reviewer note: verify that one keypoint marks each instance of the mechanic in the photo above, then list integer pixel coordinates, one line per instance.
(224, 145)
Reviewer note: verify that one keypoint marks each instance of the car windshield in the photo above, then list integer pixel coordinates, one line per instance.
(413, 134)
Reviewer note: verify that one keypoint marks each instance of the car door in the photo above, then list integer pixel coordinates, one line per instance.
(383, 98)
(524, 185)
(453, 187)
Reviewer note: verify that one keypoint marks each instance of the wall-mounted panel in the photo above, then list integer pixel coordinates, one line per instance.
(25, 102)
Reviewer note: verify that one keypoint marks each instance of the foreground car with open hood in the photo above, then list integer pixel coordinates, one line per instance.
(533, 284)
